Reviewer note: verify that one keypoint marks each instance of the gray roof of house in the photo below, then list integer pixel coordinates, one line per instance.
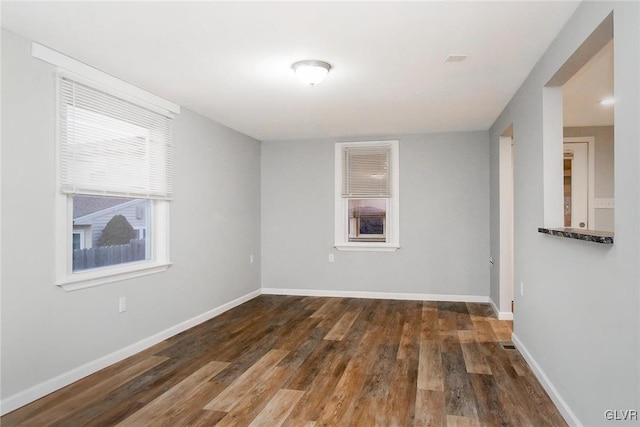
(367, 210)
(85, 205)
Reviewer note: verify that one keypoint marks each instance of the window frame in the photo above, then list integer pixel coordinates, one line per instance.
(159, 261)
(341, 203)
(158, 218)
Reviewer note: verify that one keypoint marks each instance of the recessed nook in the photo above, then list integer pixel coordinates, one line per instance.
(579, 172)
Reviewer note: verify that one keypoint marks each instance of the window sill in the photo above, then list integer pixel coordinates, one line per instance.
(603, 237)
(367, 247)
(103, 276)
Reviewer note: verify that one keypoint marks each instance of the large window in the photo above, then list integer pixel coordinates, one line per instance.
(115, 183)
(367, 196)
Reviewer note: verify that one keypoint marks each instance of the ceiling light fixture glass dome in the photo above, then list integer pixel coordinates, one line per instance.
(311, 71)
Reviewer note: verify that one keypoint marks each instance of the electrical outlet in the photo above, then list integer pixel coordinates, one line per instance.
(122, 304)
(521, 288)
(251, 258)
(331, 258)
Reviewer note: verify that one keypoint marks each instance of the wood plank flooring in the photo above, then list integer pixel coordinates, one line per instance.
(306, 361)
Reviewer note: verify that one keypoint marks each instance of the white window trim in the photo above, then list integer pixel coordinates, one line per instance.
(341, 203)
(160, 257)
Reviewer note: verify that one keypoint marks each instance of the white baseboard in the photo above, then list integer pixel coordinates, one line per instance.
(501, 315)
(39, 390)
(505, 315)
(557, 399)
(375, 295)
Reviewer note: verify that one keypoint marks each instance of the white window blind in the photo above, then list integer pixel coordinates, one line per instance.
(366, 171)
(109, 146)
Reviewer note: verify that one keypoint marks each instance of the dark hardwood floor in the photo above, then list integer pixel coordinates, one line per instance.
(306, 361)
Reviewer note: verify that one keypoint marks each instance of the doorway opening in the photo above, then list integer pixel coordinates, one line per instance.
(506, 180)
(578, 139)
(579, 177)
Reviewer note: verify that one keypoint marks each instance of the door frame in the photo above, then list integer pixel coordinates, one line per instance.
(591, 169)
(507, 226)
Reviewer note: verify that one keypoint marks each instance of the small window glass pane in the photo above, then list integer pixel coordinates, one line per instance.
(109, 231)
(367, 220)
(77, 241)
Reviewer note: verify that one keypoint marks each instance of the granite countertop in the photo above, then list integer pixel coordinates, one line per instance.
(604, 237)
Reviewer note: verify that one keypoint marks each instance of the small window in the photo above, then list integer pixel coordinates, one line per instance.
(366, 197)
(141, 233)
(78, 241)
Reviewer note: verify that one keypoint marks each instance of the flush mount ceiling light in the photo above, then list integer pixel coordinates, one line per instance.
(311, 71)
(607, 101)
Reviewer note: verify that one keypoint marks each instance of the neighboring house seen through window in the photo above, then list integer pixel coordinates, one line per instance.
(112, 227)
(367, 220)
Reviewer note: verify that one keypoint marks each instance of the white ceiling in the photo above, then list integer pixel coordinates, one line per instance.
(583, 92)
(230, 61)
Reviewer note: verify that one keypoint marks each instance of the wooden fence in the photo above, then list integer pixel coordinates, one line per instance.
(103, 256)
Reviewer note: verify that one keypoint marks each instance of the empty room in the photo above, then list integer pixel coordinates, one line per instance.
(320, 213)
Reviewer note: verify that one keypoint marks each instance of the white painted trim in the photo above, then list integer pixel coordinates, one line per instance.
(591, 176)
(506, 190)
(375, 295)
(494, 307)
(505, 315)
(113, 274)
(39, 390)
(501, 315)
(552, 134)
(569, 416)
(133, 93)
(359, 248)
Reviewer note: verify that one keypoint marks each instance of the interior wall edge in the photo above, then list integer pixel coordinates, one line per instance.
(501, 315)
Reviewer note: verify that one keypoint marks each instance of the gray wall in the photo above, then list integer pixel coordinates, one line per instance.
(444, 219)
(604, 168)
(215, 226)
(579, 317)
